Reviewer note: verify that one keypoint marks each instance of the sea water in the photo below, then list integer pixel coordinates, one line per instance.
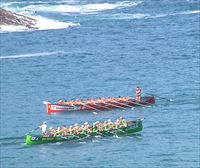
(86, 49)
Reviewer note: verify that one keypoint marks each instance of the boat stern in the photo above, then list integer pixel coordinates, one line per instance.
(152, 100)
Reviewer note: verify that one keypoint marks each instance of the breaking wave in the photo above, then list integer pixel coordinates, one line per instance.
(30, 8)
(47, 24)
(73, 8)
(32, 55)
(42, 24)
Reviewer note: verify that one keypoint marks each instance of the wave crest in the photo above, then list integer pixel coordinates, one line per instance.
(74, 8)
(32, 55)
(42, 24)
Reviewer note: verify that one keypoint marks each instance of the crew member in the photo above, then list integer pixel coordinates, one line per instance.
(60, 102)
(138, 94)
(43, 127)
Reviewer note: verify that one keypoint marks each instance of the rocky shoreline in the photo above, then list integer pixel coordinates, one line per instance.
(8, 18)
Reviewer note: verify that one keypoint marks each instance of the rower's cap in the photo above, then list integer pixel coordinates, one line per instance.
(44, 122)
(58, 128)
(109, 120)
(50, 127)
(76, 124)
(86, 123)
(97, 122)
(70, 126)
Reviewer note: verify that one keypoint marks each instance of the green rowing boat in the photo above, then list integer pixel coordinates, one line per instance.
(131, 128)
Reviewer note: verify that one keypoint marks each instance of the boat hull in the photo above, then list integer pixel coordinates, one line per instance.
(133, 128)
(56, 108)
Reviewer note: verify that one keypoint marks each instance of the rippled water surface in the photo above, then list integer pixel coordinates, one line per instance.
(114, 47)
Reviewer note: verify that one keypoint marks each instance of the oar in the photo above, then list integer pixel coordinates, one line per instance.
(91, 127)
(99, 132)
(103, 106)
(113, 105)
(122, 103)
(87, 135)
(160, 97)
(32, 131)
(78, 137)
(91, 107)
(114, 131)
(137, 103)
(105, 131)
(70, 134)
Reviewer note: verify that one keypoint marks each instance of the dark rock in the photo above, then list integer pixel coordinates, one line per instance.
(13, 19)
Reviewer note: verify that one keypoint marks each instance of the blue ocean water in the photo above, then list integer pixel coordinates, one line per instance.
(115, 47)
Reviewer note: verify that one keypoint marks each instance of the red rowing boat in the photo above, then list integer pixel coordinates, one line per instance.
(98, 104)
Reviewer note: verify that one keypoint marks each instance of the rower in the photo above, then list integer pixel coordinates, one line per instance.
(76, 129)
(107, 124)
(58, 131)
(84, 126)
(98, 100)
(60, 102)
(52, 131)
(122, 122)
(63, 130)
(138, 94)
(63, 127)
(70, 129)
(87, 127)
(110, 124)
(93, 100)
(64, 102)
(96, 126)
(116, 124)
(43, 127)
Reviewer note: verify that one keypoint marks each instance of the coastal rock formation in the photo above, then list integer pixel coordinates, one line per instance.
(9, 18)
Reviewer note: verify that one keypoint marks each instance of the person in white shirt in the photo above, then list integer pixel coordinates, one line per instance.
(43, 128)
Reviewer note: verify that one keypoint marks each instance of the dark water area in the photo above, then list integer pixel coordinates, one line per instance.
(118, 46)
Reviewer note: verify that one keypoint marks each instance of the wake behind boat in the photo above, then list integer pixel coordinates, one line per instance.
(106, 128)
(100, 104)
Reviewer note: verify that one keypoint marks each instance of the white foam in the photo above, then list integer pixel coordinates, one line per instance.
(180, 13)
(32, 55)
(85, 8)
(147, 16)
(130, 16)
(42, 24)
(49, 24)
(191, 12)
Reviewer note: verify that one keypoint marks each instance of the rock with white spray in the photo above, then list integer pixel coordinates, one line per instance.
(8, 18)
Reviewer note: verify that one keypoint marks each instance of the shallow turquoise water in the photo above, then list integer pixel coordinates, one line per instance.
(118, 46)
